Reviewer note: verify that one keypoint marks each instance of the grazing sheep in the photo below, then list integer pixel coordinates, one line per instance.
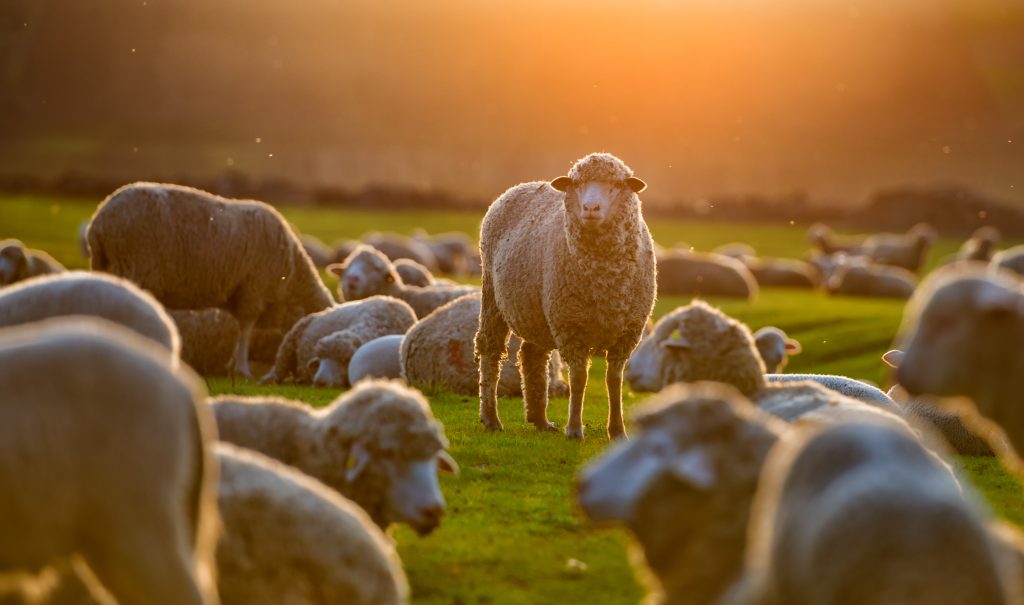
(453, 251)
(980, 246)
(963, 335)
(438, 353)
(105, 455)
(775, 346)
(906, 251)
(396, 246)
(863, 513)
(196, 250)
(567, 265)
(367, 272)
(379, 358)
(289, 539)
(378, 445)
(857, 277)
(700, 274)
(320, 345)
(208, 338)
(19, 263)
(317, 251)
(822, 238)
(413, 273)
(82, 293)
(1011, 259)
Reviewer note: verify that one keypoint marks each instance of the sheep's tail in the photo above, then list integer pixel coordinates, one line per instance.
(286, 360)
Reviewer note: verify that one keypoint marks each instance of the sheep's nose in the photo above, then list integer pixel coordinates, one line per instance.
(429, 518)
(591, 207)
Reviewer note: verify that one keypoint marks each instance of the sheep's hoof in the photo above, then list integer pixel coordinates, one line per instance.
(617, 433)
(492, 424)
(546, 426)
(574, 432)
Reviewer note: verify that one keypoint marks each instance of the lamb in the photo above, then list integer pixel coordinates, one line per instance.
(17, 262)
(906, 251)
(980, 246)
(289, 539)
(379, 358)
(318, 348)
(378, 445)
(700, 274)
(567, 265)
(196, 250)
(106, 455)
(82, 293)
(413, 273)
(1011, 259)
(317, 251)
(962, 335)
(367, 272)
(857, 277)
(438, 353)
(775, 346)
(863, 513)
(396, 246)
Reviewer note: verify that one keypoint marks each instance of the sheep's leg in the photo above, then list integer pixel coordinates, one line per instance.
(579, 368)
(242, 348)
(533, 368)
(491, 349)
(613, 382)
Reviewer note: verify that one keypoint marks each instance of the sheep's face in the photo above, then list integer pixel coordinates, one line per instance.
(643, 370)
(594, 203)
(365, 273)
(414, 493)
(775, 348)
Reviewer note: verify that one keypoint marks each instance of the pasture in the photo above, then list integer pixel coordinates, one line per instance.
(511, 526)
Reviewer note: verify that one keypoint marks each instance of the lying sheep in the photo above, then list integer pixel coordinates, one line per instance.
(208, 338)
(379, 358)
(289, 539)
(862, 513)
(980, 246)
(904, 250)
(317, 251)
(775, 346)
(567, 265)
(821, 237)
(18, 262)
(105, 455)
(857, 277)
(700, 274)
(1011, 259)
(396, 246)
(367, 272)
(196, 250)
(318, 348)
(378, 444)
(413, 273)
(82, 293)
(962, 335)
(438, 353)
(783, 272)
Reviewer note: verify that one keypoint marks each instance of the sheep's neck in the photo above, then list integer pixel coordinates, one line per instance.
(616, 240)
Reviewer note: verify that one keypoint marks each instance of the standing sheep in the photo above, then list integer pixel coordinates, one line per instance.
(18, 263)
(682, 273)
(82, 293)
(567, 265)
(196, 250)
(290, 540)
(367, 272)
(378, 444)
(324, 342)
(105, 455)
(907, 251)
(438, 353)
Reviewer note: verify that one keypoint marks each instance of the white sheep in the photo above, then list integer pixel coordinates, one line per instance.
(17, 262)
(567, 265)
(437, 353)
(319, 346)
(379, 358)
(684, 273)
(904, 250)
(289, 539)
(863, 513)
(858, 277)
(775, 347)
(105, 454)
(82, 293)
(378, 444)
(196, 250)
(368, 272)
(1011, 259)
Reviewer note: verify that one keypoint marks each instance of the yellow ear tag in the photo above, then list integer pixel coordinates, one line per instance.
(677, 334)
(350, 463)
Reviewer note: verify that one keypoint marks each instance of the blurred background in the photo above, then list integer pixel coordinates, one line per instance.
(808, 106)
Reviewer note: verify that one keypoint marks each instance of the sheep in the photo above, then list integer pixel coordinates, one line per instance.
(396, 246)
(857, 277)
(827, 264)
(980, 246)
(906, 251)
(822, 238)
(946, 423)
(83, 293)
(196, 250)
(367, 272)
(863, 513)
(1011, 259)
(18, 262)
(438, 353)
(379, 358)
(775, 346)
(453, 251)
(318, 347)
(106, 456)
(378, 445)
(693, 273)
(289, 539)
(567, 265)
(317, 251)
(777, 272)
(208, 338)
(961, 336)
(413, 273)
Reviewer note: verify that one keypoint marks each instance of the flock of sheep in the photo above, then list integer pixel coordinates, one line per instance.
(741, 484)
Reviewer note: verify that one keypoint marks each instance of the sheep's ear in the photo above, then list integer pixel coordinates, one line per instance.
(635, 185)
(694, 467)
(562, 184)
(358, 458)
(446, 464)
(893, 358)
(313, 364)
(336, 269)
(793, 346)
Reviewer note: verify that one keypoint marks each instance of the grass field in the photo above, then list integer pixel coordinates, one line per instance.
(512, 526)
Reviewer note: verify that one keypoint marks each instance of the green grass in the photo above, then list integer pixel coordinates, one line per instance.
(512, 526)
